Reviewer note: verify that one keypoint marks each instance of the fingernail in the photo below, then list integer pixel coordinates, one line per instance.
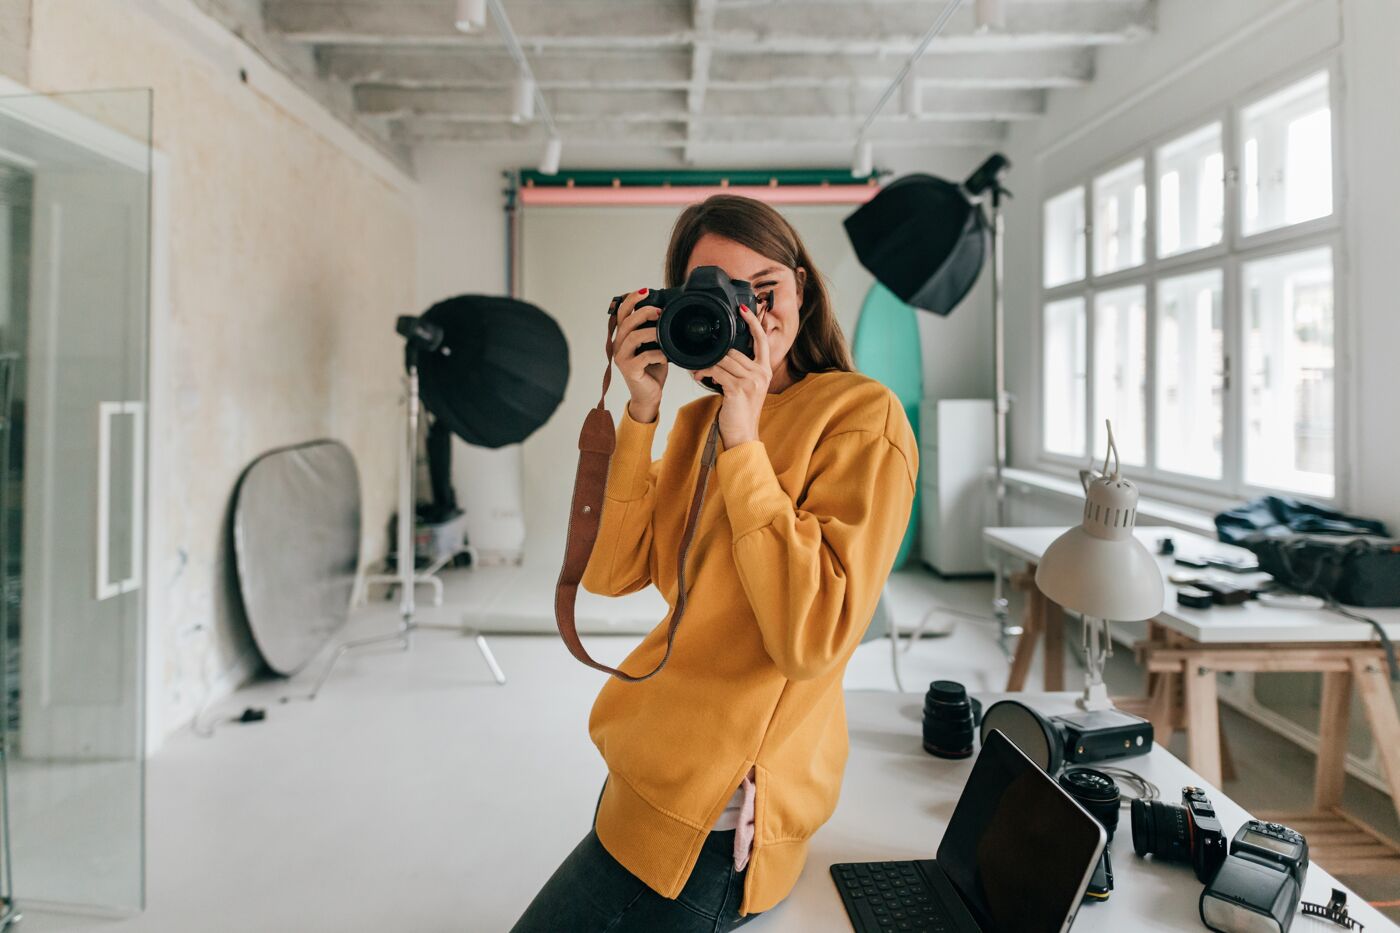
(746, 308)
(643, 291)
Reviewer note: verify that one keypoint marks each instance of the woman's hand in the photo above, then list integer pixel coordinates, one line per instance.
(644, 373)
(745, 383)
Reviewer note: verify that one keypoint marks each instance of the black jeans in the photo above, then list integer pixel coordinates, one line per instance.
(590, 892)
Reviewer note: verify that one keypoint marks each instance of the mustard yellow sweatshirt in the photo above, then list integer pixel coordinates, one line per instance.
(792, 547)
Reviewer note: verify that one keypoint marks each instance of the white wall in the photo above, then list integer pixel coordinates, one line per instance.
(462, 250)
(1204, 54)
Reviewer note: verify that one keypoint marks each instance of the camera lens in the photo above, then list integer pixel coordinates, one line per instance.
(1160, 829)
(948, 725)
(1096, 792)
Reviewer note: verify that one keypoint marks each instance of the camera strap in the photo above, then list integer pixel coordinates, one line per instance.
(596, 443)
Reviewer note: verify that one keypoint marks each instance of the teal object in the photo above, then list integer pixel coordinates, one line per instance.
(886, 347)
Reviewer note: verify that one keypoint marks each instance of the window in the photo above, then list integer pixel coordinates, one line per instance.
(1149, 334)
(1120, 212)
(1064, 238)
(1191, 374)
(1190, 192)
(1288, 358)
(1287, 157)
(1120, 372)
(1065, 377)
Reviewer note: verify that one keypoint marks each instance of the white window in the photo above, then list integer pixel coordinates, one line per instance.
(1065, 376)
(1288, 358)
(1190, 192)
(1064, 238)
(1191, 374)
(1150, 333)
(1120, 215)
(1287, 157)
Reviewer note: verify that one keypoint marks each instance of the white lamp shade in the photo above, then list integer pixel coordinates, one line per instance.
(1101, 577)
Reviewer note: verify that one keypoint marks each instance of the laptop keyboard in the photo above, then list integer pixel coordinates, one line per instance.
(882, 896)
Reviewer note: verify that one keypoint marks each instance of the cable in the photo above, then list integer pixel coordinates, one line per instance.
(512, 44)
(1142, 788)
(933, 30)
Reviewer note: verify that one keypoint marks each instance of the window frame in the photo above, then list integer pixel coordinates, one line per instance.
(1234, 250)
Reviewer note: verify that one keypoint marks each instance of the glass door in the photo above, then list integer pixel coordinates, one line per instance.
(75, 194)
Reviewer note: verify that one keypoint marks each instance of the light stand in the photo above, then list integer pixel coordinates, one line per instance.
(420, 336)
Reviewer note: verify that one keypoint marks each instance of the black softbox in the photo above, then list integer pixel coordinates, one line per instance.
(923, 240)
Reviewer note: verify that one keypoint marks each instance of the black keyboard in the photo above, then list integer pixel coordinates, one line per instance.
(883, 896)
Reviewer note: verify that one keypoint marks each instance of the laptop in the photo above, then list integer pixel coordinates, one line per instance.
(1017, 855)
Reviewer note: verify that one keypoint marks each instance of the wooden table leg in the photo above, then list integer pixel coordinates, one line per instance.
(1054, 621)
(1161, 708)
(1202, 721)
(1373, 685)
(1025, 645)
(1332, 728)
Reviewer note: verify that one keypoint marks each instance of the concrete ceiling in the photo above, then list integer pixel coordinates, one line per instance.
(699, 78)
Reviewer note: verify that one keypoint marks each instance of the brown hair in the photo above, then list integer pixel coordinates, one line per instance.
(820, 344)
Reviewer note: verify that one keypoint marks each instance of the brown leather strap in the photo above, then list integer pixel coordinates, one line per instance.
(596, 443)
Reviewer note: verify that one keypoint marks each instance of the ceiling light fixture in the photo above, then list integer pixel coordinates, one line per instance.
(553, 149)
(991, 15)
(863, 159)
(471, 15)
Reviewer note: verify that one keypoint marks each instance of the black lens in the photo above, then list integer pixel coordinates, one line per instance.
(695, 329)
(1096, 792)
(1160, 829)
(948, 727)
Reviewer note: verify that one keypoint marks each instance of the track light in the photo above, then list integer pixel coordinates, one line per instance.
(524, 100)
(911, 97)
(471, 15)
(991, 15)
(553, 149)
(863, 162)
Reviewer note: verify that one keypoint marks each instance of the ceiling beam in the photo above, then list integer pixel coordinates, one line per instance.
(827, 28)
(673, 69)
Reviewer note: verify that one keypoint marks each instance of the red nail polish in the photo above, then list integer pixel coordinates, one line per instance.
(643, 292)
(746, 308)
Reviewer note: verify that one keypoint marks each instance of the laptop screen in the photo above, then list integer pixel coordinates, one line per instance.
(1017, 848)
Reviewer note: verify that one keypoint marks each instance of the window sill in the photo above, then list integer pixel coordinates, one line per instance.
(1158, 511)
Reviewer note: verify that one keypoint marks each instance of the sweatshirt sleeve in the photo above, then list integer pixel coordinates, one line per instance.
(813, 574)
(623, 557)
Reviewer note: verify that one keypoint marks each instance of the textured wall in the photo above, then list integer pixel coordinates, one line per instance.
(288, 261)
(14, 39)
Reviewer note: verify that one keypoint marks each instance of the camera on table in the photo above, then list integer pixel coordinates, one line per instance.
(1187, 833)
(1258, 886)
(700, 320)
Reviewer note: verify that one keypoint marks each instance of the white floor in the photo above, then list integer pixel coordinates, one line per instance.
(415, 794)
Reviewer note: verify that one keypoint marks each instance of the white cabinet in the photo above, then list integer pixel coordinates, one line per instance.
(955, 453)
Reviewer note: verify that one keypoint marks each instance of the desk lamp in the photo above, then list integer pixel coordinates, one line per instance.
(1101, 571)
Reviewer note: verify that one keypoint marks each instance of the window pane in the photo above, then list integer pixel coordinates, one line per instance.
(1120, 219)
(1064, 377)
(1120, 372)
(1190, 192)
(1190, 374)
(1288, 360)
(1287, 156)
(1064, 238)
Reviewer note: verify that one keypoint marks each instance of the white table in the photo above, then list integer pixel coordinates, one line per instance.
(1186, 648)
(896, 800)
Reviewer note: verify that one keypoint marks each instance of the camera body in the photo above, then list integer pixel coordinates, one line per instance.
(1190, 832)
(700, 320)
(1260, 883)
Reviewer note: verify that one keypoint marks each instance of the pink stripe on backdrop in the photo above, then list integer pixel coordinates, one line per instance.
(777, 194)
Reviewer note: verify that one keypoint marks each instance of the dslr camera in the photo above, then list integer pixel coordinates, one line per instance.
(700, 320)
(1258, 886)
(1187, 833)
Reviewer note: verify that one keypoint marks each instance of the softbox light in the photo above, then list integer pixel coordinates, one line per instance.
(923, 240)
(500, 371)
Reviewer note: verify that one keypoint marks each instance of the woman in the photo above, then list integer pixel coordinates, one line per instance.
(722, 766)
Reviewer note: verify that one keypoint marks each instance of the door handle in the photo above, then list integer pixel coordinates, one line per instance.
(106, 411)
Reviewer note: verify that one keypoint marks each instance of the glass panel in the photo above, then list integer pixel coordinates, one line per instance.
(1120, 372)
(1288, 358)
(1065, 377)
(1190, 192)
(1064, 238)
(72, 513)
(1190, 374)
(1286, 140)
(1120, 219)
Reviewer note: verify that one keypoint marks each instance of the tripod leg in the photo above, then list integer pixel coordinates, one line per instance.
(400, 636)
(490, 658)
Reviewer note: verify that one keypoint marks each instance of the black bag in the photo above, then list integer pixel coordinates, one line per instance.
(1316, 550)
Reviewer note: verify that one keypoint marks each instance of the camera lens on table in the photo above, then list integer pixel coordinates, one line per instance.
(1096, 792)
(1189, 832)
(949, 720)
